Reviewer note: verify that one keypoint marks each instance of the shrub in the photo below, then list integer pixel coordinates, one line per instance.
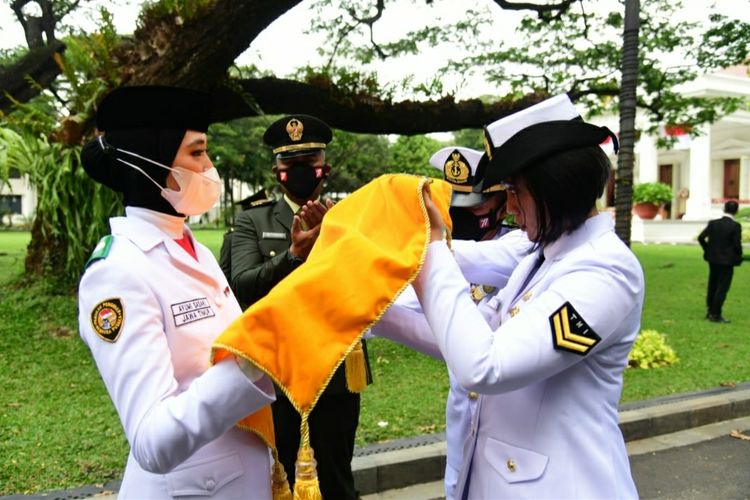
(650, 350)
(652, 192)
(743, 214)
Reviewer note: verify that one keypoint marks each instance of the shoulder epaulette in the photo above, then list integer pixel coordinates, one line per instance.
(261, 203)
(101, 250)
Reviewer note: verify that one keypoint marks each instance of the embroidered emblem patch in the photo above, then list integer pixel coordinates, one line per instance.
(570, 332)
(456, 169)
(107, 319)
(191, 310)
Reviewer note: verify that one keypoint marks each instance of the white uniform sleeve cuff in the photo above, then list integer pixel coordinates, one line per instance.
(249, 369)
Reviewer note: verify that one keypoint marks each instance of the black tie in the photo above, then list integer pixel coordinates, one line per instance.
(532, 272)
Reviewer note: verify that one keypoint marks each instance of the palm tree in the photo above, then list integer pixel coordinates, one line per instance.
(626, 158)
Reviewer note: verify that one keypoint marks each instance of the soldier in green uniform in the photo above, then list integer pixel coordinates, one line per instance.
(272, 239)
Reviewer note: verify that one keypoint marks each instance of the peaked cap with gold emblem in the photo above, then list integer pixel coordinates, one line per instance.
(296, 135)
(461, 169)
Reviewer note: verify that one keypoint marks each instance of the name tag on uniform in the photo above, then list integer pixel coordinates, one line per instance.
(267, 235)
(191, 310)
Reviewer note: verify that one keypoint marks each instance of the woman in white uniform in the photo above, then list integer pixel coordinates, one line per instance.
(547, 355)
(152, 299)
(476, 217)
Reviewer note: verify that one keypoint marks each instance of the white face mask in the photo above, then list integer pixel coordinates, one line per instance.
(198, 191)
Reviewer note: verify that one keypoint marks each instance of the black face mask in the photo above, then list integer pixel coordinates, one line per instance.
(467, 226)
(301, 179)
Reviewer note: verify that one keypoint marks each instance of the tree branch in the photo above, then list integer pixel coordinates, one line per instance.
(198, 52)
(547, 9)
(38, 65)
(363, 114)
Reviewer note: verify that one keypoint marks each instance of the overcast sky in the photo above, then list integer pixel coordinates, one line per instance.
(296, 49)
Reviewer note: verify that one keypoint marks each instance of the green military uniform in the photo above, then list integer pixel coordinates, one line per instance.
(260, 259)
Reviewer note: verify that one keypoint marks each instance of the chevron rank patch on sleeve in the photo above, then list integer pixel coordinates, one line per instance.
(570, 332)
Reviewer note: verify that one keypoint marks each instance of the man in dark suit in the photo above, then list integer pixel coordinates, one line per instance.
(722, 249)
(271, 240)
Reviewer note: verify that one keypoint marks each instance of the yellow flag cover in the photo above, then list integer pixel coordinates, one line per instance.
(371, 246)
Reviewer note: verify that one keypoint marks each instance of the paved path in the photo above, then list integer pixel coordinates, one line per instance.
(695, 464)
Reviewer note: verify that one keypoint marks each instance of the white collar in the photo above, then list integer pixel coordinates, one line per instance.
(172, 225)
(591, 229)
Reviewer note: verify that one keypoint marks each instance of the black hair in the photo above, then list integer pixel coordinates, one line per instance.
(731, 207)
(565, 187)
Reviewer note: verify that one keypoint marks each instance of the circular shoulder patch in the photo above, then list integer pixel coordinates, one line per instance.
(107, 319)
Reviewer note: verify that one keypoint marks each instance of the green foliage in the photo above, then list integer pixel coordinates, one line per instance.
(652, 192)
(578, 52)
(11, 56)
(41, 138)
(725, 43)
(356, 159)
(650, 350)
(347, 83)
(469, 138)
(185, 9)
(743, 214)
(411, 155)
(72, 210)
(357, 38)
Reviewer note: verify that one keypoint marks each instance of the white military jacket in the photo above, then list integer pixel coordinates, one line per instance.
(548, 365)
(149, 313)
(404, 322)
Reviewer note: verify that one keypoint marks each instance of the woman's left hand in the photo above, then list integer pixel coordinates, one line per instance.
(437, 226)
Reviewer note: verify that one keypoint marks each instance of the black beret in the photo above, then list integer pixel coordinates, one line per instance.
(154, 107)
(540, 141)
(297, 134)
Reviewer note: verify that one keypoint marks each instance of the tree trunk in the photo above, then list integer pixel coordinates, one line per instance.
(46, 253)
(197, 52)
(626, 159)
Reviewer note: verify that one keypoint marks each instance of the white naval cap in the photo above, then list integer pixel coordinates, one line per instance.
(517, 141)
(498, 132)
(461, 169)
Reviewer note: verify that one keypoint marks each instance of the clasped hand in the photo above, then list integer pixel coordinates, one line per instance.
(311, 213)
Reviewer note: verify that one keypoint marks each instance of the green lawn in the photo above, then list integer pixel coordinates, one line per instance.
(58, 428)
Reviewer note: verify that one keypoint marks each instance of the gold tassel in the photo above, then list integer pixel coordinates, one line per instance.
(279, 484)
(356, 373)
(306, 485)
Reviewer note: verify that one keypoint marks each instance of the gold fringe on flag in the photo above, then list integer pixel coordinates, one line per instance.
(279, 483)
(306, 486)
(356, 372)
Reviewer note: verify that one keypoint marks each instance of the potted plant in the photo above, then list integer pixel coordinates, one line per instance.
(648, 197)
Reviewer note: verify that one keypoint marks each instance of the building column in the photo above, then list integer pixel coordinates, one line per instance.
(744, 177)
(699, 203)
(648, 167)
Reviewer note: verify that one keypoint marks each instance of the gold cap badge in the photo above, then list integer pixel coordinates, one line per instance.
(456, 169)
(295, 128)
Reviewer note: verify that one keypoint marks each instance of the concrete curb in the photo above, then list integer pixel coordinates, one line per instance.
(421, 459)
